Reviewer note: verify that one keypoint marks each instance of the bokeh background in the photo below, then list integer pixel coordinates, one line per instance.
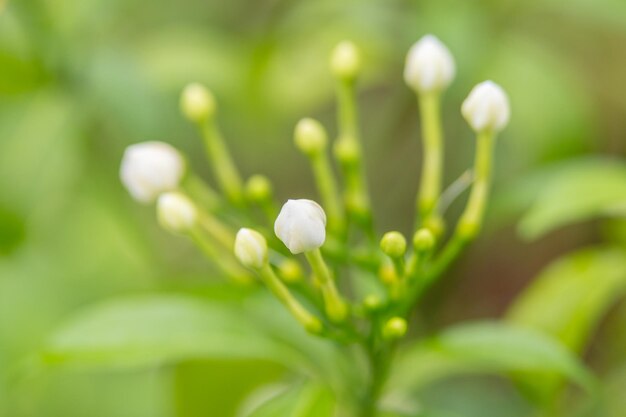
(82, 79)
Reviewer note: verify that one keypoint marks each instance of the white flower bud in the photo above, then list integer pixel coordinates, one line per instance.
(310, 136)
(301, 225)
(345, 61)
(487, 107)
(197, 102)
(176, 212)
(151, 168)
(429, 65)
(251, 248)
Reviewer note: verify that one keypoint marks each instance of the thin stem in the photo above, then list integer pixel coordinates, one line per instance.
(218, 231)
(223, 166)
(336, 307)
(430, 187)
(327, 187)
(224, 261)
(201, 192)
(308, 320)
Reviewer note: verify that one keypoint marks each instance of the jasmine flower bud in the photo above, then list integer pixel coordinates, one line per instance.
(258, 188)
(151, 168)
(301, 225)
(423, 240)
(393, 244)
(310, 137)
(251, 248)
(429, 65)
(487, 108)
(345, 61)
(197, 103)
(176, 212)
(395, 328)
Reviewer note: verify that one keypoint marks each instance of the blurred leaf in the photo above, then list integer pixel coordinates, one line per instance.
(569, 297)
(580, 190)
(484, 347)
(157, 329)
(299, 400)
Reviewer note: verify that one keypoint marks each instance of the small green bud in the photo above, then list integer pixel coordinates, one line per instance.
(387, 274)
(372, 303)
(310, 137)
(346, 151)
(393, 244)
(258, 188)
(345, 61)
(290, 271)
(313, 325)
(197, 103)
(423, 240)
(395, 328)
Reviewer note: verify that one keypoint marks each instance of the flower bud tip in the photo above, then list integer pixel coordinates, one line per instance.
(197, 103)
(151, 168)
(310, 137)
(486, 108)
(393, 244)
(301, 225)
(395, 328)
(176, 212)
(258, 188)
(345, 61)
(251, 248)
(429, 65)
(423, 240)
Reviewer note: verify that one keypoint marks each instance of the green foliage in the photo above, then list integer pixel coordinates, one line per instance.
(485, 347)
(297, 400)
(577, 191)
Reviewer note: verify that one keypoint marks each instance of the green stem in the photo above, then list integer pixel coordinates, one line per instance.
(218, 231)
(327, 187)
(432, 139)
(223, 166)
(201, 192)
(336, 307)
(470, 222)
(223, 260)
(275, 285)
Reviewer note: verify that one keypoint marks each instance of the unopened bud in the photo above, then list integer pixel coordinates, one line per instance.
(310, 137)
(423, 240)
(345, 61)
(487, 108)
(197, 103)
(258, 188)
(395, 328)
(301, 225)
(251, 248)
(429, 65)
(176, 212)
(290, 271)
(393, 244)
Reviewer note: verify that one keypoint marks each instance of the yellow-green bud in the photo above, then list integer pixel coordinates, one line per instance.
(372, 303)
(310, 137)
(258, 188)
(387, 274)
(197, 103)
(345, 61)
(395, 328)
(423, 240)
(313, 325)
(290, 271)
(251, 248)
(393, 244)
(346, 151)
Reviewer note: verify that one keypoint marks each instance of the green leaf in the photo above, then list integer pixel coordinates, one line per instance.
(157, 329)
(298, 400)
(569, 297)
(484, 347)
(578, 191)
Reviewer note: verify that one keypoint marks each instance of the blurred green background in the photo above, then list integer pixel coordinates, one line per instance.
(82, 79)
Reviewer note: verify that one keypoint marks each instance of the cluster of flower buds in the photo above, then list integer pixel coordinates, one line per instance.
(357, 287)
